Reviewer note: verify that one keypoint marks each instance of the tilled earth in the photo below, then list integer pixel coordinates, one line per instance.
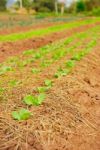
(69, 119)
(14, 48)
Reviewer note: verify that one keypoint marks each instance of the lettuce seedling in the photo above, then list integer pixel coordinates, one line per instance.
(14, 83)
(61, 72)
(58, 55)
(35, 70)
(5, 69)
(46, 63)
(42, 89)
(70, 63)
(37, 55)
(79, 56)
(28, 52)
(48, 83)
(33, 100)
(2, 90)
(29, 99)
(22, 114)
(76, 57)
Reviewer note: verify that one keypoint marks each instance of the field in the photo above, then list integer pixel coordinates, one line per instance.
(49, 83)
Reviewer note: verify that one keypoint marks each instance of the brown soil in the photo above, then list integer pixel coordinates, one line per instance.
(67, 120)
(13, 48)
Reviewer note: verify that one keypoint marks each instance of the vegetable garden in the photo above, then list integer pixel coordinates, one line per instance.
(49, 93)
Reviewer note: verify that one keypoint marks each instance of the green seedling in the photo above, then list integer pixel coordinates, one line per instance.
(37, 55)
(58, 55)
(33, 100)
(28, 52)
(14, 83)
(48, 83)
(79, 56)
(61, 72)
(22, 114)
(2, 90)
(29, 99)
(76, 57)
(42, 89)
(70, 63)
(5, 69)
(13, 59)
(41, 98)
(46, 63)
(25, 62)
(35, 70)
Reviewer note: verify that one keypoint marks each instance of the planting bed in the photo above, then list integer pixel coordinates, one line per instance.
(50, 89)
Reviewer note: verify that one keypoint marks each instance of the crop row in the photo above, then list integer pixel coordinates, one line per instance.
(44, 31)
(57, 52)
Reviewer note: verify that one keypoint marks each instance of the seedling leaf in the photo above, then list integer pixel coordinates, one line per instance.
(22, 114)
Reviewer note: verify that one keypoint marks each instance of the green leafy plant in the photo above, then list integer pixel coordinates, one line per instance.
(37, 55)
(34, 100)
(42, 89)
(22, 114)
(58, 54)
(35, 70)
(14, 83)
(79, 56)
(70, 63)
(61, 72)
(2, 90)
(28, 52)
(46, 63)
(5, 69)
(48, 83)
(76, 57)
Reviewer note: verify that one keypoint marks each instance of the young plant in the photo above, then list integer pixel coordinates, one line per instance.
(28, 52)
(22, 114)
(5, 69)
(70, 63)
(48, 83)
(76, 57)
(35, 70)
(33, 100)
(46, 63)
(42, 89)
(58, 54)
(37, 55)
(2, 90)
(61, 72)
(14, 83)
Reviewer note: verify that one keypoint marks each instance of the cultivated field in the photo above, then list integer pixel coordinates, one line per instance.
(49, 83)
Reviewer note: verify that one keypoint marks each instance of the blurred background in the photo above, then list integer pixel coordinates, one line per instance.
(43, 8)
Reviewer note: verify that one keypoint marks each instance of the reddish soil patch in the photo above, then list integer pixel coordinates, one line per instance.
(69, 119)
(13, 48)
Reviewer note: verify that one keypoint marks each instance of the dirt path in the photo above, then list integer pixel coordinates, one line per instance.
(13, 48)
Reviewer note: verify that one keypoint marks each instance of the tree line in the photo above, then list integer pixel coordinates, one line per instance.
(53, 5)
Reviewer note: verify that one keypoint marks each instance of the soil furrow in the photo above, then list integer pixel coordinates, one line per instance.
(13, 48)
